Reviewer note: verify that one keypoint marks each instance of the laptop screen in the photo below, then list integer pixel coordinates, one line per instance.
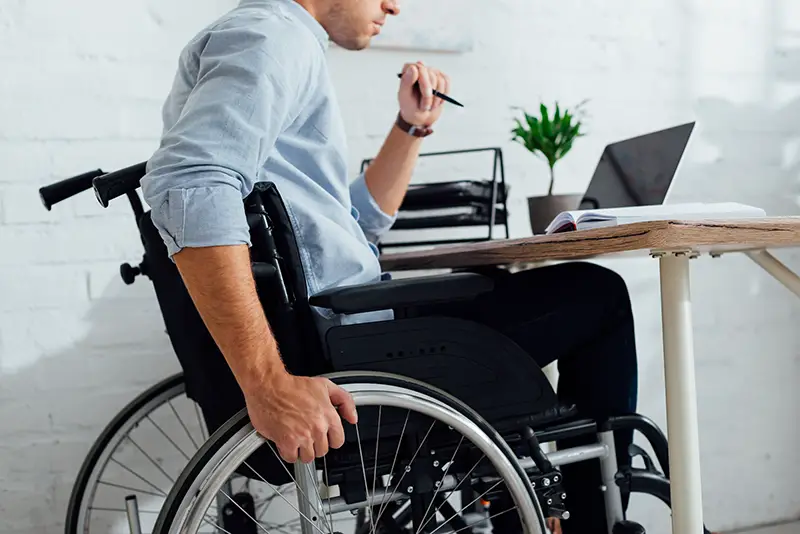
(637, 171)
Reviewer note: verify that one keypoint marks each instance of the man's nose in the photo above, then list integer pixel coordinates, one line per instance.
(391, 7)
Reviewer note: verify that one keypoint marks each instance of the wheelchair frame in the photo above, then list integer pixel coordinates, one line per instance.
(524, 435)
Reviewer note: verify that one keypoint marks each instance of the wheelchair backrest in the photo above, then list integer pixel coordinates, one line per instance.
(284, 297)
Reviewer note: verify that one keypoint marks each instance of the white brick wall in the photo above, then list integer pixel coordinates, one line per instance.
(81, 88)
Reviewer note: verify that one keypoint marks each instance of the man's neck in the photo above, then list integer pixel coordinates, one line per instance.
(309, 5)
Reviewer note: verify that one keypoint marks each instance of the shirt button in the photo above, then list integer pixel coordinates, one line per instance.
(354, 212)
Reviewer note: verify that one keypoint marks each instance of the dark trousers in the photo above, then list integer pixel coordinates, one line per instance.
(578, 314)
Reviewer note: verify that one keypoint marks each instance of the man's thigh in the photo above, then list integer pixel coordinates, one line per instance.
(548, 311)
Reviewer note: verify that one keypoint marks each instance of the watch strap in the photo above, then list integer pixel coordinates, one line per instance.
(410, 129)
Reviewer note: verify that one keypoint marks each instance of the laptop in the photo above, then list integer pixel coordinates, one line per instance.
(638, 171)
(632, 181)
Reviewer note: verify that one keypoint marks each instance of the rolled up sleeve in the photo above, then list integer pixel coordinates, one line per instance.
(210, 158)
(372, 219)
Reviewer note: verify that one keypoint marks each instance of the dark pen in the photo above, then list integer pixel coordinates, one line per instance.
(440, 95)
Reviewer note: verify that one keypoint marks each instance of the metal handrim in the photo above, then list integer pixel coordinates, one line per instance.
(206, 485)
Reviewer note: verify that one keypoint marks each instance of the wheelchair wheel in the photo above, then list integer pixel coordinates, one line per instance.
(413, 455)
(139, 453)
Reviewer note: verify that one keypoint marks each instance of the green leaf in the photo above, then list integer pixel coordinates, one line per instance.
(563, 149)
(533, 122)
(547, 127)
(549, 136)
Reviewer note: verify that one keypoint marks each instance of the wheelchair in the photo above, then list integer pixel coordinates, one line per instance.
(448, 439)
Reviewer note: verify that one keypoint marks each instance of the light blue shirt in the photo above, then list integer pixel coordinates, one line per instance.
(252, 101)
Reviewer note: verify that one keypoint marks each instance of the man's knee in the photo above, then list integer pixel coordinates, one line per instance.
(598, 282)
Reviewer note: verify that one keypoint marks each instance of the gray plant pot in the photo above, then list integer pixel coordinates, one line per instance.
(542, 210)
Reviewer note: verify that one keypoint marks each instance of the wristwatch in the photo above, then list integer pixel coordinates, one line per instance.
(410, 129)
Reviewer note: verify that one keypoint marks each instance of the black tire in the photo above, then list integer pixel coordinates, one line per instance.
(176, 496)
(82, 480)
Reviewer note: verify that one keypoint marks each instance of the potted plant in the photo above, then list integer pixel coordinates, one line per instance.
(550, 138)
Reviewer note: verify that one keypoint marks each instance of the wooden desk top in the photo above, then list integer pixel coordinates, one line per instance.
(638, 238)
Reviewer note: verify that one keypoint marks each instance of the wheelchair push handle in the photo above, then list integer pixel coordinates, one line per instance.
(118, 183)
(52, 194)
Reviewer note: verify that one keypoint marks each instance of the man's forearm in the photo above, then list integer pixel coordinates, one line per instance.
(389, 174)
(220, 282)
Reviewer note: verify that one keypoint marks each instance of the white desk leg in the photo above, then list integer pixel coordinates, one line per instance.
(682, 425)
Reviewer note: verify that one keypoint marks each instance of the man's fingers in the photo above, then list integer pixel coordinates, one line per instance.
(445, 87)
(436, 84)
(410, 75)
(335, 432)
(306, 451)
(321, 445)
(441, 86)
(319, 433)
(344, 402)
(425, 88)
(287, 451)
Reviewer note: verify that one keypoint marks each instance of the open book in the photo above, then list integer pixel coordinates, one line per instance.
(568, 221)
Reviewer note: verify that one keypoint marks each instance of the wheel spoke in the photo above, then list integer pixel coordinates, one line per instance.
(375, 467)
(215, 525)
(364, 471)
(287, 501)
(137, 475)
(230, 454)
(265, 506)
(441, 481)
(299, 489)
(413, 457)
(327, 479)
(313, 474)
(239, 506)
(130, 488)
(464, 507)
(168, 438)
(498, 514)
(180, 420)
(172, 480)
(466, 477)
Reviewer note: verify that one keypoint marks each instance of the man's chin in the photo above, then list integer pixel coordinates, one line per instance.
(355, 44)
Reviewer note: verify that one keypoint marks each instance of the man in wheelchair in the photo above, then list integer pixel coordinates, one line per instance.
(252, 102)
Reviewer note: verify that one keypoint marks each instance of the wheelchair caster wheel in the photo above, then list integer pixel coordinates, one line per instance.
(628, 527)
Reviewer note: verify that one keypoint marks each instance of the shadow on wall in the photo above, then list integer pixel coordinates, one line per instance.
(747, 349)
(754, 148)
(53, 410)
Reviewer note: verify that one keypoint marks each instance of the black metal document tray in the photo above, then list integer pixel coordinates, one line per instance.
(474, 215)
(449, 194)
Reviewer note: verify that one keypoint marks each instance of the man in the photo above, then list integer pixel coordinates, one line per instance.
(252, 101)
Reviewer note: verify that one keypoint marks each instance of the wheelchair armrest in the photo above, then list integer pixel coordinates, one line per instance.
(394, 294)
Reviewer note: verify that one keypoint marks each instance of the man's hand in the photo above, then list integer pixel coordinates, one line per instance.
(418, 106)
(300, 415)
(297, 414)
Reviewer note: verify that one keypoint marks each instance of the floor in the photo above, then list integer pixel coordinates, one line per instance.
(793, 528)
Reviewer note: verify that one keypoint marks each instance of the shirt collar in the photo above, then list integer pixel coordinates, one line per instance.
(302, 15)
